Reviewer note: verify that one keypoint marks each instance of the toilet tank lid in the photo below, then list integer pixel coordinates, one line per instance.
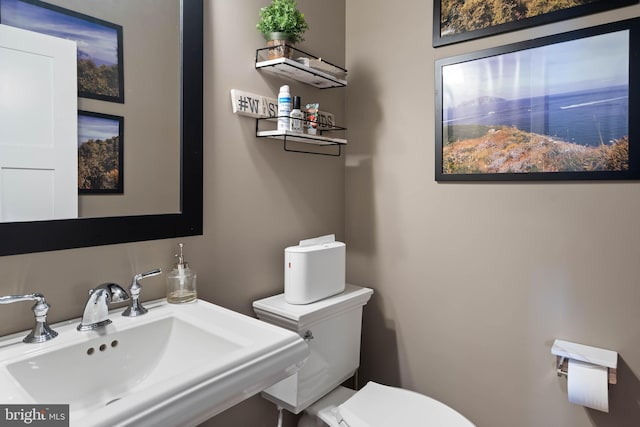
(298, 317)
(377, 405)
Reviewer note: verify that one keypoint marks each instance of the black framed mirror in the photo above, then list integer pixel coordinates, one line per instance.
(39, 236)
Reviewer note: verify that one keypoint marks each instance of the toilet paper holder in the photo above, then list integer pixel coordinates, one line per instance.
(565, 350)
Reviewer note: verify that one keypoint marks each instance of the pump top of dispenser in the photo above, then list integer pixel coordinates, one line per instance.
(181, 264)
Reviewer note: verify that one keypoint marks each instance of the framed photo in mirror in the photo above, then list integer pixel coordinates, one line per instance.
(100, 153)
(555, 108)
(100, 67)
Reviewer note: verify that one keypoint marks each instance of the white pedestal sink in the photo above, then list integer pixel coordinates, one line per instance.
(178, 365)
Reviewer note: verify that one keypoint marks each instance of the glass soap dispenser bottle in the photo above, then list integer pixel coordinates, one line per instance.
(181, 282)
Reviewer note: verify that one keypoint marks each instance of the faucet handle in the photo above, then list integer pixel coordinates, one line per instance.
(135, 307)
(41, 331)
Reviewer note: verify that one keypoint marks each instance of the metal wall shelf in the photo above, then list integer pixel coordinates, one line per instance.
(305, 68)
(312, 70)
(289, 136)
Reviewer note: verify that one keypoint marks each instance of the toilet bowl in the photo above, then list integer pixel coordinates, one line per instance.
(377, 405)
(331, 327)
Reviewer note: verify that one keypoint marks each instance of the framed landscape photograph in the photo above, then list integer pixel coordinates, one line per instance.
(100, 153)
(100, 67)
(460, 20)
(555, 108)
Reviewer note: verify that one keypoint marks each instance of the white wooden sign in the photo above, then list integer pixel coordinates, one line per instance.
(258, 106)
(252, 105)
(325, 120)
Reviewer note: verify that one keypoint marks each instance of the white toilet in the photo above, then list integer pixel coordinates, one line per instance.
(332, 329)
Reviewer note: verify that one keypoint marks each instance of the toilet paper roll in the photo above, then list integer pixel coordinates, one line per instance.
(587, 385)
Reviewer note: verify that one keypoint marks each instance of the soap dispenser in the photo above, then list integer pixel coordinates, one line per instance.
(181, 282)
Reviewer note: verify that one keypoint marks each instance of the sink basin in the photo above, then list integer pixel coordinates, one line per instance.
(178, 365)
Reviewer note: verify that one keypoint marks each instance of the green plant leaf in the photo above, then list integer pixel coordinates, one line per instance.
(282, 16)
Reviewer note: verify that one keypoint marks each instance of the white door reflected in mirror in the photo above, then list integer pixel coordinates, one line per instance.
(38, 127)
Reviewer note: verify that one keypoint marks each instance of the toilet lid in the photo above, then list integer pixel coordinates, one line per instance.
(377, 405)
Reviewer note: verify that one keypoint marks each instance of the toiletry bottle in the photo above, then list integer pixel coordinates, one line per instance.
(181, 282)
(296, 116)
(284, 108)
(312, 118)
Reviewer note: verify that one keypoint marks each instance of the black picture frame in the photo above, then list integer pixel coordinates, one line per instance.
(493, 106)
(100, 135)
(448, 35)
(100, 65)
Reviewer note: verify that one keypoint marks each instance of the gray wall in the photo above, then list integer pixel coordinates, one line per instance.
(258, 198)
(474, 281)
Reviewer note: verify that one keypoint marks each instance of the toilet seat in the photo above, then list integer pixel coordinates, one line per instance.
(377, 405)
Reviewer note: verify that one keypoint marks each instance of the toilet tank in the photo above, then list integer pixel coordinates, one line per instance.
(331, 327)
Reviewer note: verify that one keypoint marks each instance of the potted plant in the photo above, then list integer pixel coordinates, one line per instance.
(281, 23)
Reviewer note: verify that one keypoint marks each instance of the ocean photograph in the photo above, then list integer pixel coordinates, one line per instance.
(563, 107)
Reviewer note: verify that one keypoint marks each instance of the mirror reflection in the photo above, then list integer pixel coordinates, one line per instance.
(124, 131)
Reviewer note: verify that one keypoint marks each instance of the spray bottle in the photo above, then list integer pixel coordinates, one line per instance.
(284, 108)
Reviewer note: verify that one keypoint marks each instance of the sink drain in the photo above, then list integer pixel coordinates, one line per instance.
(112, 401)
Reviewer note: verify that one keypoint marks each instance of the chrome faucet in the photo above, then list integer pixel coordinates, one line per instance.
(41, 331)
(135, 307)
(96, 311)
